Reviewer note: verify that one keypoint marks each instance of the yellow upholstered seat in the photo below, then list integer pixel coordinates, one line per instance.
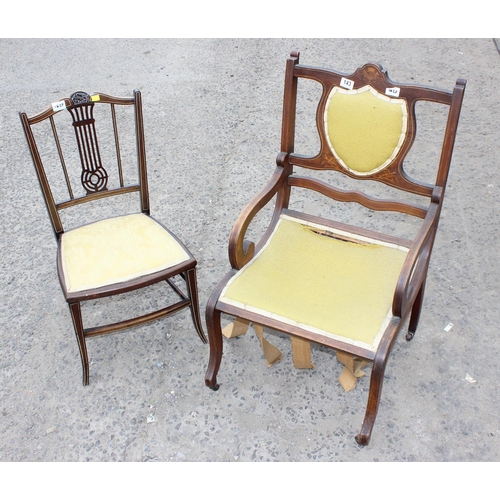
(323, 280)
(117, 250)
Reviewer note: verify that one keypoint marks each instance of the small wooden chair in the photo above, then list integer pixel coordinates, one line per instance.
(327, 282)
(113, 255)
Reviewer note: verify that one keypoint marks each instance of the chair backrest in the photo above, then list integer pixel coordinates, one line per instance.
(366, 125)
(71, 140)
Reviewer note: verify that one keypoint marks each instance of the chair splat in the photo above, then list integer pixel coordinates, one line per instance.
(94, 177)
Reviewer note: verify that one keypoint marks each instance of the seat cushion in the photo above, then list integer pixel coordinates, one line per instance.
(326, 281)
(117, 250)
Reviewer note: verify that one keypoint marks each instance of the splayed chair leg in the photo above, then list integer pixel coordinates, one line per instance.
(192, 288)
(214, 329)
(76, 316)
(377, 378)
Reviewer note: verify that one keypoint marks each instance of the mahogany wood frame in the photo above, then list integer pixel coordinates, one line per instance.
(81, 104)
(408, 296)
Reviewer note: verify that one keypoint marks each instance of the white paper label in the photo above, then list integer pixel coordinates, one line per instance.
(58, 106)
(347, 84)
(393, 92)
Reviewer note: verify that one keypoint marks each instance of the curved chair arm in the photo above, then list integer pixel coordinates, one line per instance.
(240, 250)
(417, 261)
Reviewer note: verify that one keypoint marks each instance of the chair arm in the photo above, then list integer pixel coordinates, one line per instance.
(416, 263)
(240, 250)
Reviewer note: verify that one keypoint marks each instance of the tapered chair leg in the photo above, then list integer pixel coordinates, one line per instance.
(192, 288)
(415, 313)
(76, 316)
(377, 378)
(214, 329)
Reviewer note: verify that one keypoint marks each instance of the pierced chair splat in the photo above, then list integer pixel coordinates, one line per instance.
(328, 282)
(110, 255)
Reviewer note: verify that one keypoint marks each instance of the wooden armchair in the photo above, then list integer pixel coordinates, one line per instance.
(332, 283)
(112, 255)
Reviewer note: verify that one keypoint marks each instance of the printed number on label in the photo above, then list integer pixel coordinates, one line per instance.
(394, 91)
(347, 84)
(58, 106)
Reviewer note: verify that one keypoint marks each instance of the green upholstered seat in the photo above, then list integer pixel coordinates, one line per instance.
(323, 280)
(364, 128)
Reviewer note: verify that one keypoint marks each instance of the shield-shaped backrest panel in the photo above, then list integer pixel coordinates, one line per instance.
(364, 128)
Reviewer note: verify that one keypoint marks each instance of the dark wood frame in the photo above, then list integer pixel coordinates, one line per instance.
(408, 296)
(186, 270)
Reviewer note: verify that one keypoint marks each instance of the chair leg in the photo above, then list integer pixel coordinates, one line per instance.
(415, 312)
(214, 329)
(76, 315)
(376, 381)
(192, 288)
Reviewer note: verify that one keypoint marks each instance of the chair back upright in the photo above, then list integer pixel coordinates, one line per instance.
(366, 125)
(79, 152)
